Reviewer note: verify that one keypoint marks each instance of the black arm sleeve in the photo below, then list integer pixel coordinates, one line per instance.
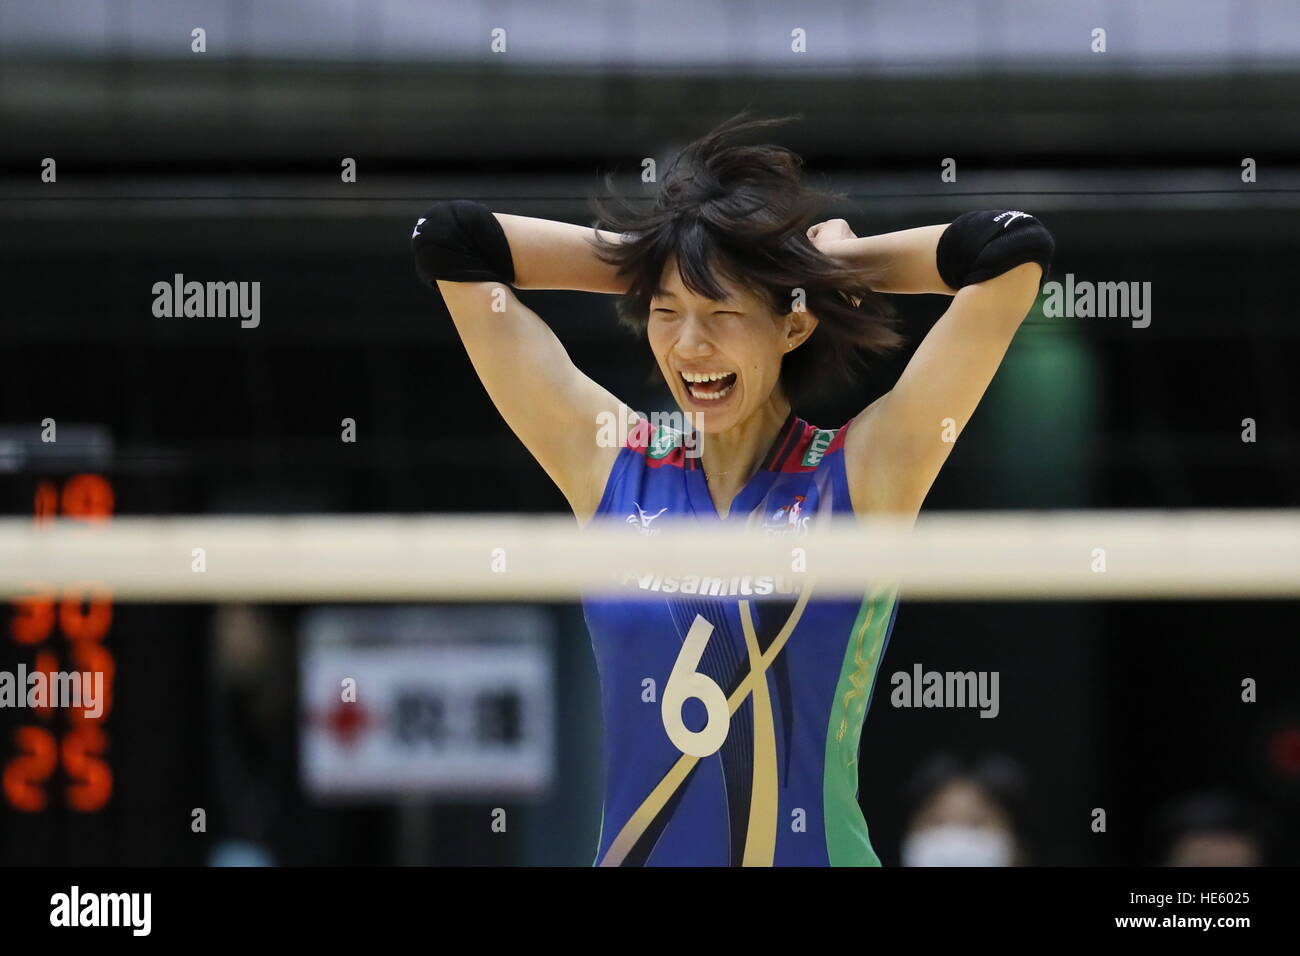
(981, 245)
(461, 241)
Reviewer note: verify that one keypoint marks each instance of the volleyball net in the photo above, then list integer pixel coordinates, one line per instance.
(944, 556)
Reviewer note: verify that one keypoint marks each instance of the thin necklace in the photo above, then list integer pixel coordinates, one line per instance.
(717, 474)
(720, 474)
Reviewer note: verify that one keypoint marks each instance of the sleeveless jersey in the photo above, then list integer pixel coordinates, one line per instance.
(797, 674)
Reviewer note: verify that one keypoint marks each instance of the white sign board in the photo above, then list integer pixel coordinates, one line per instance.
(413, 701)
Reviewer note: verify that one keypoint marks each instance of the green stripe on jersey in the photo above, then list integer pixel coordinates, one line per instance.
(847, 842)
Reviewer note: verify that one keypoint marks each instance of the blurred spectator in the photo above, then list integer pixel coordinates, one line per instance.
(966, 813)
(1211, 828)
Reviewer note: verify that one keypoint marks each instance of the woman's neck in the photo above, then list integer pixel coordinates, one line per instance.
(732, 457)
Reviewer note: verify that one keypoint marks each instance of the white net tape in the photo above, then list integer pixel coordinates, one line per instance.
(1220, 554)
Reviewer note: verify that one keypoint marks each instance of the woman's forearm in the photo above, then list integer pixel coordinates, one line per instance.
(902, 262)
(557, 255)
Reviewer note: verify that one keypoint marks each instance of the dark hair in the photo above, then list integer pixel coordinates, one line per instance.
(1209, 811)
(744, 212)
(998, 776)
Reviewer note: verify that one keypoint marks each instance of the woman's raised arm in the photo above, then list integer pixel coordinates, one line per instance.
(899, 262)
(557, 255)
(995, 261)
(472, 257)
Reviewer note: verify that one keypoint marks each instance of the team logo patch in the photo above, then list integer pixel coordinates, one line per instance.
(664, 441)
(821, 440)
(789, 519)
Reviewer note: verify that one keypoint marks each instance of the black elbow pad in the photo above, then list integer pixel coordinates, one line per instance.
(981, 245)
(461, 241)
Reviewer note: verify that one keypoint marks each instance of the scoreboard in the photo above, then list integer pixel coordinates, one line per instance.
(64, 632)
(101, 704)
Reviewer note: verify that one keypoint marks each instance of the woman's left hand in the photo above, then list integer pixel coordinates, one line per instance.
(829, 239)
(826, 234)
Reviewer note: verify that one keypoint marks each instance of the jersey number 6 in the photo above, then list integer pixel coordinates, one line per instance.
(686, 682)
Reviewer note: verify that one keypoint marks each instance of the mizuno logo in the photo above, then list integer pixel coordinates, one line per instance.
(1013, 215)
(642, 520)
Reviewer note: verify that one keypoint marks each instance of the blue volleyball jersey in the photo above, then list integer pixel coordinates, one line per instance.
(771, 778)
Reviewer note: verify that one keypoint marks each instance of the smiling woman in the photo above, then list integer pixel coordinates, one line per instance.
(732, 711)
(729, 229)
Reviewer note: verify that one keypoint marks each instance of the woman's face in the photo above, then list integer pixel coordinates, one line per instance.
(963, 803)
(960, 825)
(721, 358)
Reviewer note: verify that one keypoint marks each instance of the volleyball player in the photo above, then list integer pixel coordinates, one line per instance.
(733, 709)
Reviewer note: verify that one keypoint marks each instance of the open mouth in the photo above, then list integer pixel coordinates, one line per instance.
(709, 386)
